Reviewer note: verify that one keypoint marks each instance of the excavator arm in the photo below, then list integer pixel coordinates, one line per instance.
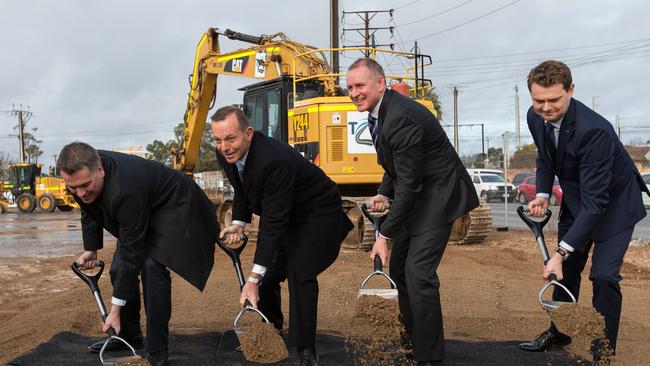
(270, 57)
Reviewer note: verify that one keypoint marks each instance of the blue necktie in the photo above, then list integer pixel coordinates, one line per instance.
(374, 131)
(240, 170)
(550, 140)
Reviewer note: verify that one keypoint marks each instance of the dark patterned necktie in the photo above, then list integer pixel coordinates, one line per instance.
(240, 171)
(550, 140)
(374, 131)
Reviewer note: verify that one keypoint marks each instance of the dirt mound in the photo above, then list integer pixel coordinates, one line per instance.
(261, 343)
(374, 335)
(585, 326)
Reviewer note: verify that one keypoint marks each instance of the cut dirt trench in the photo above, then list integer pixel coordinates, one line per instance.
(488, 294)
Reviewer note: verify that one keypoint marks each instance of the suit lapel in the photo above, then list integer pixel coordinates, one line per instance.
(383, 108)
(566, 132)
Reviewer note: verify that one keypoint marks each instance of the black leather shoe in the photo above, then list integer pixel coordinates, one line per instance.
(158, 358)
(307, 356)
(544, 341)
(115, 345)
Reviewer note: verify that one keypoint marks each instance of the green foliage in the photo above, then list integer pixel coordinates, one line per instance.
(525, 157)
(207, 161)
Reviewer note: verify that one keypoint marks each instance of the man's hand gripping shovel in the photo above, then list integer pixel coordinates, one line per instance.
(390, 293)
(92, 281)
(536, 227)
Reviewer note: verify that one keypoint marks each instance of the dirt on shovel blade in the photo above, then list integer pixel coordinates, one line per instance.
(261, 343)
(373, 337)
(133, 362)
(584, 325)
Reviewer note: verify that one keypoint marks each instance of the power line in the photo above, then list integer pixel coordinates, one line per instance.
(437, 14)
(465, 23)
(407, 4)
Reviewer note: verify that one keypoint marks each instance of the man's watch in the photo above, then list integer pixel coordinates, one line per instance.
(254, 280)
(562, 252)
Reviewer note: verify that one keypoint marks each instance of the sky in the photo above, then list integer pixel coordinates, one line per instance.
(115, 73)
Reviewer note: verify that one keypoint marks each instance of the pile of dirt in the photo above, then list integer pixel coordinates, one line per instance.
(261, 343)
(586, 327)
(374, 335)
(133, 362)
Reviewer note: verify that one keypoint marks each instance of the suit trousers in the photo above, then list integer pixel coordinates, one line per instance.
(303, 301)
(156, 289)
(606, 262)
(414, 264)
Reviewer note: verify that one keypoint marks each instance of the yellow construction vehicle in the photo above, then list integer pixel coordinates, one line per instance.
(29, 189)
(298, 100)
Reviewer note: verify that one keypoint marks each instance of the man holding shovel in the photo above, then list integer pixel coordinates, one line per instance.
(161, 220)
(301, 227)
(601, 197)
(430, 188)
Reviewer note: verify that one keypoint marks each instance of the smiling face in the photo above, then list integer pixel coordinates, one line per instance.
(230, 140)
(85, 183)
(365, 88)
(552, 102)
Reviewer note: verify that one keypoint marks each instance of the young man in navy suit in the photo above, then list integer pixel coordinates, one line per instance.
(601, 197)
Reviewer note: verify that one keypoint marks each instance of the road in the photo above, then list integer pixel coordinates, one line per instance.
(641, 231)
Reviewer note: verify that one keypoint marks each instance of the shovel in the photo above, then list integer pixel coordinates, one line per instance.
(233, 253)
(386, 293)
(92, 282)
(536, 227)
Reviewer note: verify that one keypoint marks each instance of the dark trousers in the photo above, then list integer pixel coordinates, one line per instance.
(303, 301)
(157, 290)
(606, 262)
(414, 264)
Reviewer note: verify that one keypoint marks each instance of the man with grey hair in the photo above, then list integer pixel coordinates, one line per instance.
(161, 220)
(429, 188)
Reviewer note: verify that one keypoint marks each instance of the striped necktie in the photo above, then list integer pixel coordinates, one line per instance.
(240, 170)
(374, 131)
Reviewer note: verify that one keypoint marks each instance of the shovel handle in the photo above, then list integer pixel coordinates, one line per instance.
(379, 266)
(88, 279)
(535, 226)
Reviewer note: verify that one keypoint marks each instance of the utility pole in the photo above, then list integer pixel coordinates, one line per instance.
(368, 31)
(456, 119)
(594, 102)
(334, 36)
(23, 117)
(55, 156)
(518, 140)
(618, 127)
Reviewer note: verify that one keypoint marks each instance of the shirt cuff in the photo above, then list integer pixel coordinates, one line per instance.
(116, 301)
(240, 223)
(260, 270)
(566, 246)
(545, 195)
(383, 236)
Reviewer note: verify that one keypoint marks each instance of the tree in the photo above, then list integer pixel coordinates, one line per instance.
(32, 149)
(525, 157)
(206, 160)
(432, 95)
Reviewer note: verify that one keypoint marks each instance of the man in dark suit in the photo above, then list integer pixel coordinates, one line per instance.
(429, 188)
(161, 220)
(301, 227)
(601, 200)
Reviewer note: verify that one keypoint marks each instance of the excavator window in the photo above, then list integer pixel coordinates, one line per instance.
(263, 109)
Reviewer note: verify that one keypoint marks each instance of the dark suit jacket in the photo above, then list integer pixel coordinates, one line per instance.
(155, 211)
(600, 184)
(285, 190)
(423, 174)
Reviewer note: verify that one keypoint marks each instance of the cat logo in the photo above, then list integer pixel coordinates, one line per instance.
(237, 65)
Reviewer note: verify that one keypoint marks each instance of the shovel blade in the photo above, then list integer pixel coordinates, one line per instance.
(113, 360)
(550, 305)
(386, 293)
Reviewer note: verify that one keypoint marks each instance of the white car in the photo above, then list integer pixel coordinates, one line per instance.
(491, 186)
(646, 199)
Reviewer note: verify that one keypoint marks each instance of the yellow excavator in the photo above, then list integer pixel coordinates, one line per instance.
(297, 100)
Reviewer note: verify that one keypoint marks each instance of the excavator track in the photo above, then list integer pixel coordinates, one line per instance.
(473, 227)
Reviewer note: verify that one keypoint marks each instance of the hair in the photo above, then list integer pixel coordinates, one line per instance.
(549, 73)
(223, 113)
(371, 64)
(77, 155)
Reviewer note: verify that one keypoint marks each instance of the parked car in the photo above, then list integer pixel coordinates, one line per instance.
(646, 199)
(527, 191)
(491, 186)
(519, 177)
(487, 171)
